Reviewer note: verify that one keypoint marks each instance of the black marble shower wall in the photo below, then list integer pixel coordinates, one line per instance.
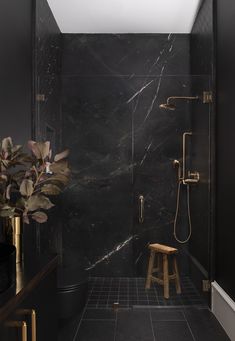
(47, 125)
(48, 68)
(122, 145)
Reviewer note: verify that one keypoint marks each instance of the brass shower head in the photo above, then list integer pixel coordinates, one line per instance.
(170, 106)
(167, 106)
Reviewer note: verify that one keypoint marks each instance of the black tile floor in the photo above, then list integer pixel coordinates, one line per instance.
(129, 292)
(142, 315)
(149, 324)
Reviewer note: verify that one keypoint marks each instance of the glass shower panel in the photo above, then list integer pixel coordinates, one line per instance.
(200, 246)
(48, 126)
(157, 142)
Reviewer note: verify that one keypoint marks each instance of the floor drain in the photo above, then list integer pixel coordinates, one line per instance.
(115, 306)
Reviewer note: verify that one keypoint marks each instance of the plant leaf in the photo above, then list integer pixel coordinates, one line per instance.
(38, 201)
(17, 148)
(40, 149)
(39, 217)
(7, 144)
(7, 212)
(25, 218)
(21, 202)
(18, 176)
(59, 179)
(26, 187)
(61, 155)
(59, 167)
(33, 147)
(3, 177)
(8, 192)
(5, 164)
(21, 158)
(50, 189)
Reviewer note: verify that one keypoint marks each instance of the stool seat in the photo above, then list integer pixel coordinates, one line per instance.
(163, 249)
(163, 253)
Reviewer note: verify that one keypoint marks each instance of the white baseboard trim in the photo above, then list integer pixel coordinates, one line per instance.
(223, 307)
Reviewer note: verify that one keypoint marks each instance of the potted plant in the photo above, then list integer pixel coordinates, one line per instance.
(27, 182)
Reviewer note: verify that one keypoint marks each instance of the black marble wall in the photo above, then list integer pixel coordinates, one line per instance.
(202, 62)
(47, 124)
(122, 145)
(47, 74)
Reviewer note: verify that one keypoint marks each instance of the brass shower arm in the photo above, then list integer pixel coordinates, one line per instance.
(181, 97)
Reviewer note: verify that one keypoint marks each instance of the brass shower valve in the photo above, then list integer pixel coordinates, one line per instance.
(193, 178)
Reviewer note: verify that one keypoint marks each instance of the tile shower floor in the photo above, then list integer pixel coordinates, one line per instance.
(142, 315)
(130, 292)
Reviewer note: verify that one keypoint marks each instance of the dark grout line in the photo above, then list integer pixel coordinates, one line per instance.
(131, 291)
(191, 332)
(81, 319)
(79, 324)
(169, 307)
(115, 327)
(87, 319)
(151, 321)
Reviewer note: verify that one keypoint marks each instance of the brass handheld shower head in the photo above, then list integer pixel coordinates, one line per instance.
(170, 106)
(176, 163)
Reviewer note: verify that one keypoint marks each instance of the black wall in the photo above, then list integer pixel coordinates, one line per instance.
(16, 80)
(122, 145)
(16, 69)
(202, 41)
(225, 72)
(202, 65)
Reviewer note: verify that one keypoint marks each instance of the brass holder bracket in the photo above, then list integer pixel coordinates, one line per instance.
(40, 98)
(207, 97)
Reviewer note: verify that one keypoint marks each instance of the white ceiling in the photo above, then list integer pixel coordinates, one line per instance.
(125, 16)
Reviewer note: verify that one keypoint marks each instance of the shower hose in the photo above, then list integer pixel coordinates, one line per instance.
(177, 214)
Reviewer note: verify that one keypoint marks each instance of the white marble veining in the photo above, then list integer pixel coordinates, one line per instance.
(111, 253)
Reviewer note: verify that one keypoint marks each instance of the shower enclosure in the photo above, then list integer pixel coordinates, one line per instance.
(123, 191)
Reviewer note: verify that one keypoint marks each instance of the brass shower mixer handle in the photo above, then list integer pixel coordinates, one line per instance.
(193, 178)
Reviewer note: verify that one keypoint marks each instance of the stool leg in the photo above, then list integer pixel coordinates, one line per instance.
(177, 277)
(150, 269)
(159, 265)
(165, 276)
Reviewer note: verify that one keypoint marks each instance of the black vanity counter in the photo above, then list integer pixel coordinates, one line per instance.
(28, 276)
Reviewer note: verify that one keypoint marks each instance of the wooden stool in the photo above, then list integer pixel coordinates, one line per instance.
(162, 269)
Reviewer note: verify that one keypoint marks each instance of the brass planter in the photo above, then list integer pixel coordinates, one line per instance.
(13, 232)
